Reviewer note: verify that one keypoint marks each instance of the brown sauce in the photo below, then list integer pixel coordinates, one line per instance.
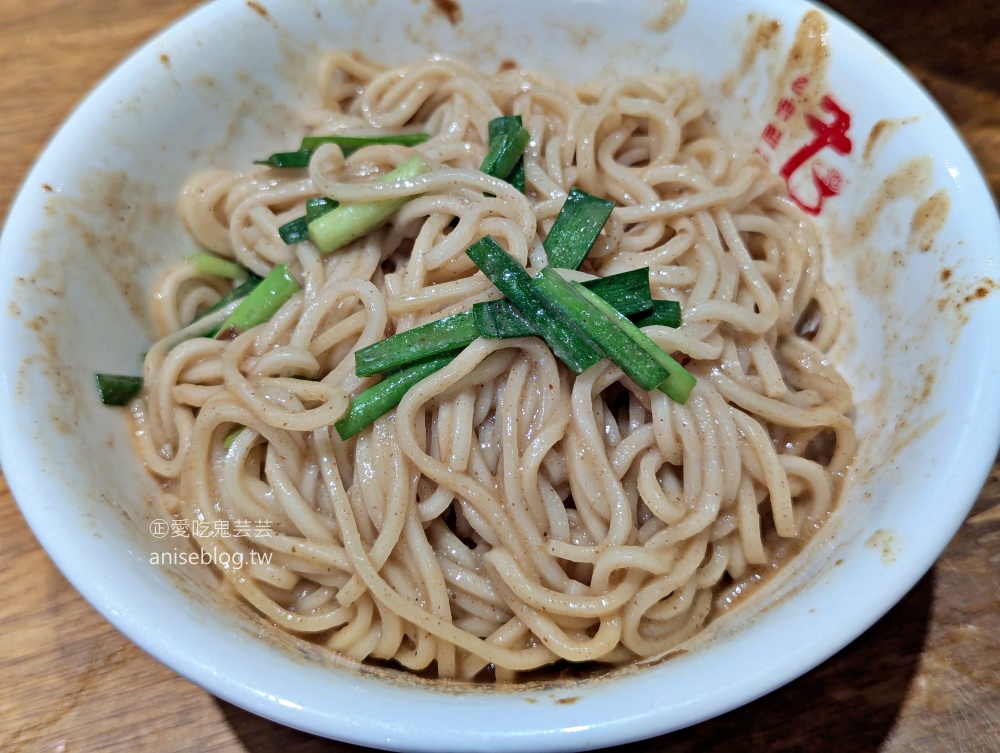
(880, 133)
(450, 9)
(665, 14)
(928, 220)
(764, 38)
(257, 8)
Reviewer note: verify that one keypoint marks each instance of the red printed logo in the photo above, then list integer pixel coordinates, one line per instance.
(828, 133)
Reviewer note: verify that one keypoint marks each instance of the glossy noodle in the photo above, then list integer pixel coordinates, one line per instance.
(508, 515)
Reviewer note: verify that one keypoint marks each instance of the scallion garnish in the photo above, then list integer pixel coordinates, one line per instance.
(663, 313)
(628, 291)
(507, 144)
(261, 304)
(381, 398)
(241, 291)
(576, 228)
(517, 177)
(210, 264)
(580, 322)
(499, 320)
(679, 381)
(349, 222)
(564, 301)
(297, 230)
(299, 158)
(228, 440)
(504, 126)
(426, 341)
(316, 208)
(118, 389)
(348, 144)
(514, 282)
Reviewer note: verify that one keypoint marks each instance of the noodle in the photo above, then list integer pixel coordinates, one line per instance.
(507, 515)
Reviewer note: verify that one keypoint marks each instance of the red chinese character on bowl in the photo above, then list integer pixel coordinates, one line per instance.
(831, 134)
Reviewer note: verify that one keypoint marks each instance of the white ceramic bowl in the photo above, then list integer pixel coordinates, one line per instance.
(916, 254)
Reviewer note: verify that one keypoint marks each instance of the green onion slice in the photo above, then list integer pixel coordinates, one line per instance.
(297, 230)
(662, 313)
(261, 304)
(348, 222)
(298, 158)
(576, 228)
(420, 343)
(118, 389)
(241, 291)
(679, 381)
(504, 153)
(210, 264)
(316, 208)
(381, 398)
(348, 144)
(514, 282)
(564, 301)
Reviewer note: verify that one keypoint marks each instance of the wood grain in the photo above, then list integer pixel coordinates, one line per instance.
(925, 678)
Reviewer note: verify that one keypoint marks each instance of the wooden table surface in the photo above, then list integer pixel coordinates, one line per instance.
(925, 678)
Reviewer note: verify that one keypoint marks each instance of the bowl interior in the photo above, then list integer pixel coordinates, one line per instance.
(912, 238)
